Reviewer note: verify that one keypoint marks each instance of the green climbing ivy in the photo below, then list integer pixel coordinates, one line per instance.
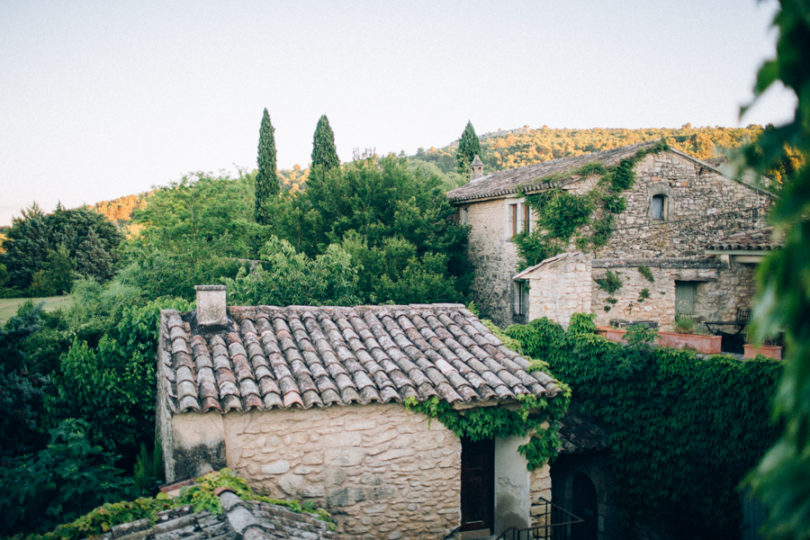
(587, 218)
(646, 273)
(537, 417)
(684, 429)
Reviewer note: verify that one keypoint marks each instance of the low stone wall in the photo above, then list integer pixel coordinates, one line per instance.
(382, 471)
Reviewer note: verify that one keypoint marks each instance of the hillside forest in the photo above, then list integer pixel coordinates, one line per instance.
(78, 384)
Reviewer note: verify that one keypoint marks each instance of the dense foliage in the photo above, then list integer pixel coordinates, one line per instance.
(78, 393)
(43, 253)
(468, 147)
(286, 277)
(324, 154)
(684, 430)
(782, 479)
(192, 232)
(60, 482)
(267, 185)
(112, 384)
(396, 224)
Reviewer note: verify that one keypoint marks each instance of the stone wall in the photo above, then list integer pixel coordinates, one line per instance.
(702, 206)
(722, 288)
(494, 256)
(382, 471)
(539, 486)
(560, 287)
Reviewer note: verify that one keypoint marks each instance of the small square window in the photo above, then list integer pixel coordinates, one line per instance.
(658, 207)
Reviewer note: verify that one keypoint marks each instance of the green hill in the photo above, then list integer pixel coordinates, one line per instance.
(524, 146)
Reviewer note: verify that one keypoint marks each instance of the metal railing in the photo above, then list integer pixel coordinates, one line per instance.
(552, 523)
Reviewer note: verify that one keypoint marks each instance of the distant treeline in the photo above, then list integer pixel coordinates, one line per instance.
(524, 146)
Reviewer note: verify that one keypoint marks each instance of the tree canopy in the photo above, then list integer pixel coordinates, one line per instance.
(468, 147)
(324, 154)
(267, 185)
(396, 224)
(43, 252)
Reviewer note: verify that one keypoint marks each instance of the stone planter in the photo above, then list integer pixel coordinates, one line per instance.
(699, 343)
(769, 351)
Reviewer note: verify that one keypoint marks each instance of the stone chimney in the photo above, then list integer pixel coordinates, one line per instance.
(211, 305)
(477, 167)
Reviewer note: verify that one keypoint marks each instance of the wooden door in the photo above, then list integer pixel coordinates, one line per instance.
(477, 484)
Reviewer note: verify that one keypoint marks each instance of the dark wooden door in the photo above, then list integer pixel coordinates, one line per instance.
(477, 484)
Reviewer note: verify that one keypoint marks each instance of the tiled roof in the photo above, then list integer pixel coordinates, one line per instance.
(244, 520)
(511, 181)
(272, 357)
(580, 434)
(746, 241)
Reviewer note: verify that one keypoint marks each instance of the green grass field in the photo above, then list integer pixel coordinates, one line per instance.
(9, 306)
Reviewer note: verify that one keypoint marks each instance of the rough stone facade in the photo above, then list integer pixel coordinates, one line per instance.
(720, 290)
(494, 256)
(380, 470)
(560, 287)
(699, 206)
(702, 205)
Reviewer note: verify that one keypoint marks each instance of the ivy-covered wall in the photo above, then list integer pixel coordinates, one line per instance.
(684, 430)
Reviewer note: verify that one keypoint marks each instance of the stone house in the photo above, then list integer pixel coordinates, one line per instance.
(308, 402)
(686, 243)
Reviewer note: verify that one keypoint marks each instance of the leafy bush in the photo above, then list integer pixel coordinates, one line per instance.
(112, 385)
(286, 277)
(62, 481)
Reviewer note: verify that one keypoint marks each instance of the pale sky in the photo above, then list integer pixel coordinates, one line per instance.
(100, 99)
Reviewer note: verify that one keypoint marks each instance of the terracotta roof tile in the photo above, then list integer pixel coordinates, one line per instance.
(302, 356)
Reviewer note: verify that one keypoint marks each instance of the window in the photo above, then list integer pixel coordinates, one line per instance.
(658, 207)
(527, 212)
(513, 219)
(520, 299)
(463, 217)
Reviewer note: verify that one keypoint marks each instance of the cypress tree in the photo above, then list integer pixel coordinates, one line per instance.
(323, 146)
(468, 146)
(267, 185)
